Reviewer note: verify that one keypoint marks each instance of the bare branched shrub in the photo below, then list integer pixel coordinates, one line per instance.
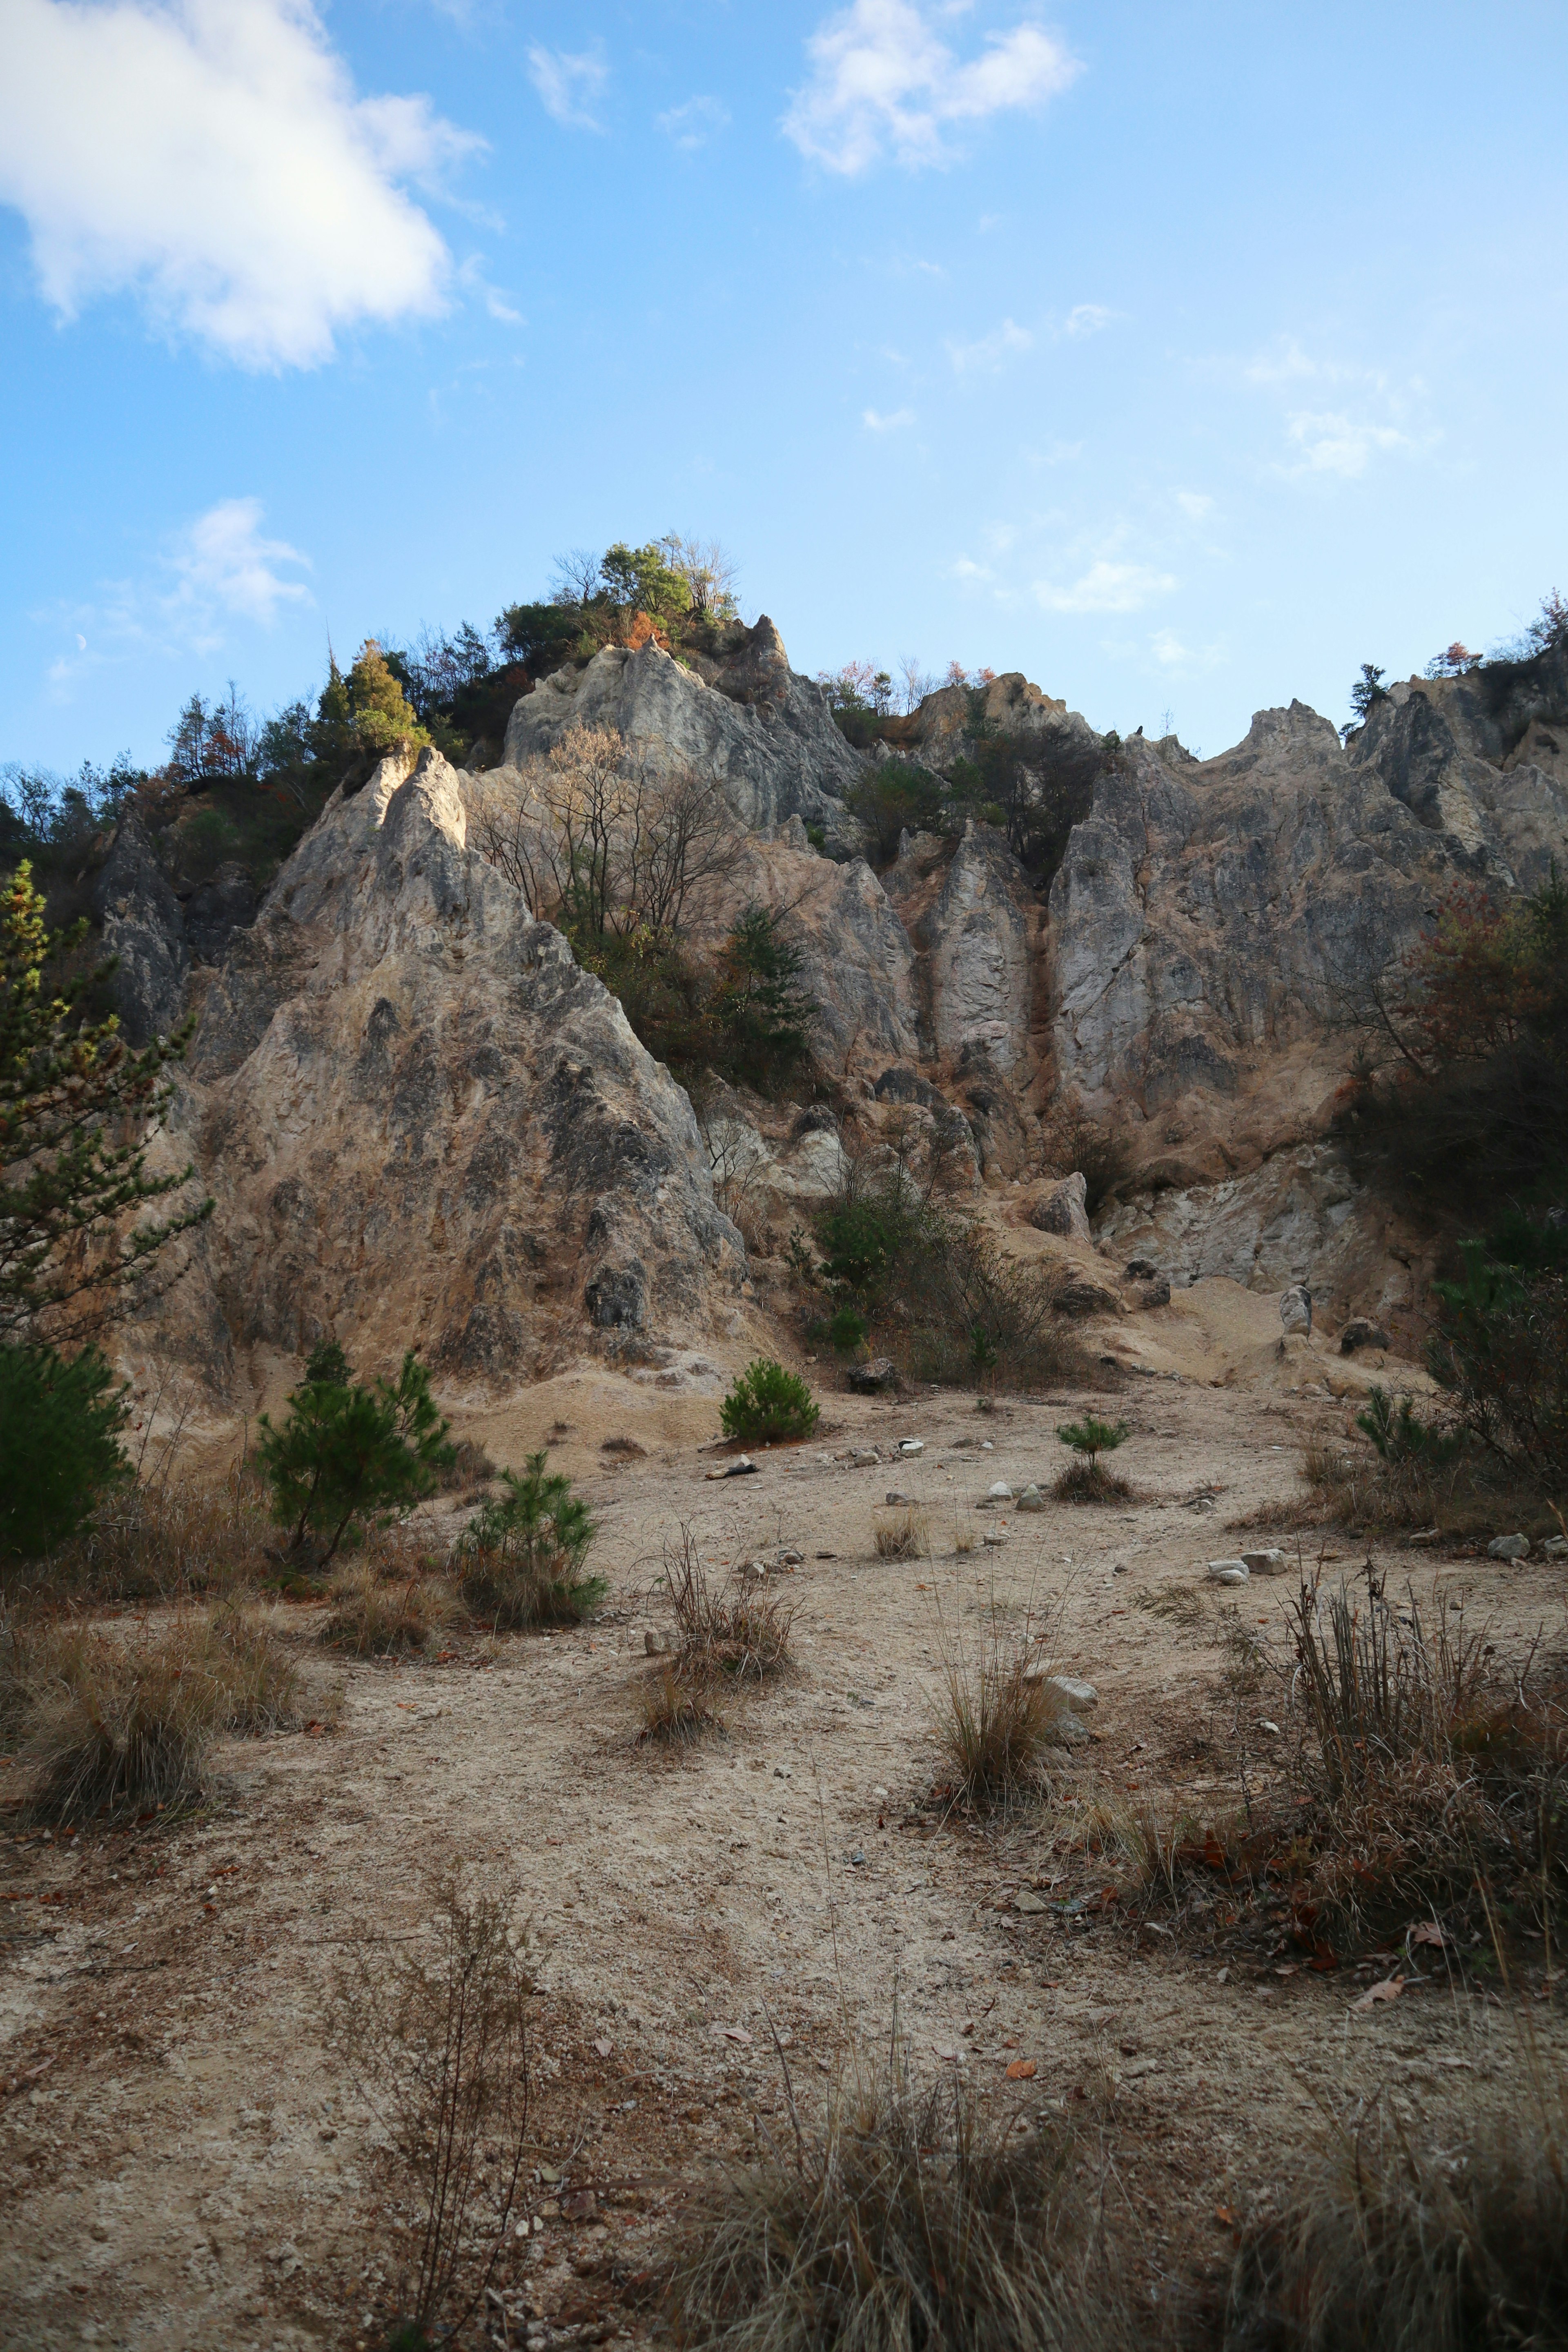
(117, 1727)
(1074, 1144)
(1396, 2246)
(740, 1631)
(673, 1713)
(437, 2039)
(906, 2222)
(996, 1718)
(166, 1540)
(902, 1534)
(981, 1314)
(374, 1613)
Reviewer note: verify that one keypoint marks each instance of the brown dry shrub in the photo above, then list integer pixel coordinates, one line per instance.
(906, 2220)
(673, 1714)
(167, 1541)
(1090, 1482)
(437, 2039)
(117, 1726)
(380, 1605)
(996, 1718)
(1393, 2245)
(1352, 1486)
(738, 1632)
(902, 1534)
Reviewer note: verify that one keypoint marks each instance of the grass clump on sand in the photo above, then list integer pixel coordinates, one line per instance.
(674, 1715)
(767, 1405)
(520, 1563)
(902, 1533)
(379, 1607)
(995, 1720)
(1086, 1478)
(1397, 2247)
(903, 2221)
(115, 1726)
(736, 1633)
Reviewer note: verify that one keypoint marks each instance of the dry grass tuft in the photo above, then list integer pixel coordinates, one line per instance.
(738, 1633)
(1090, 1482)
(902, 1534)
(906, 2222)
(168, 1540)
(1352, 1486)
(626, 1448)
(114, 1727)
(1396, 2247)
(380, 1606)
(673, 1714)
(964, 1535)
(996, 1718)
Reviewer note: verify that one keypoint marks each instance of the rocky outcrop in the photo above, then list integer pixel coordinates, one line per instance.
(765, 734)
(421, 1120)
(145, 932)
(981, 986)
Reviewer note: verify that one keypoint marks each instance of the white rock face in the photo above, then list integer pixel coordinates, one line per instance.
(981, 986)
(423, 1123)
(770, 740)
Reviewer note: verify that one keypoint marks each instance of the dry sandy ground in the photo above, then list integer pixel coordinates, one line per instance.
(184, 2161)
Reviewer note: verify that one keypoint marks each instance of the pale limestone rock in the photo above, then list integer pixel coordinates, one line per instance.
(1060, 1210)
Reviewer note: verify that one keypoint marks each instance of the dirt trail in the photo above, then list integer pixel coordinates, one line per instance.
(183, 2159)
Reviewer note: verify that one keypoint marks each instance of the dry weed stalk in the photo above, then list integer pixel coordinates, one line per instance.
(739, 1632)
(998, 1716)
(167, 1539)
(674, 1715)
(438, 2043)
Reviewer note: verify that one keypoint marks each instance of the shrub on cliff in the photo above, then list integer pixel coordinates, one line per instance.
(767, 1405)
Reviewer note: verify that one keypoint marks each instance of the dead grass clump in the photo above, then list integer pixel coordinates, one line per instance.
(1090, 1482)
(168, 1540)
(738, 1633)
(906, 2222)
(373, 1614)
(626, 1448)
(673, 1714)
(1397, 2247)
(469, 1470)
(437, 2039)
(114, 1727)
(902, 1534)
(1352, 1486)
(995, 1719)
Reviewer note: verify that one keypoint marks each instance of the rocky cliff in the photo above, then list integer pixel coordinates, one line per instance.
(420, 1120)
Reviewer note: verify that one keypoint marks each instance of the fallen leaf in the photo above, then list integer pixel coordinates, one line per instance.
(1224, 2213)
(1022, 2070)
(1389, 1990)
(604, 2048)
(1427, 1931)
(732, 2033)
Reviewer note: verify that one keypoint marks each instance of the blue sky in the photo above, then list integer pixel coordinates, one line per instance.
(1181, 356)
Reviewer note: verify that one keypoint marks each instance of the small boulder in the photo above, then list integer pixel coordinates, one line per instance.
(897, 1500)
(1271, 1562)
(1361, 1333)
(875, 1377)
(1295, 1308)
(1140, 1269)
(1060, 1209)
(654, 1644)
(1080, 1296)
(1031, 1499)
(1157, 1293)
(912, 1445)
(1555, 1548)
(1228, 1571)
(866, 1457)
(1508, 1548)
(1075, 1695)
(999, 1491)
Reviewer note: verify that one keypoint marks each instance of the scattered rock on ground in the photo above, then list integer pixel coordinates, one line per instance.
(1361, 1333)
(871, 1379)
(1508, 1548)
(1228, 1571)
(1031, 1499)
(1061, 1209)
(1270, 1562)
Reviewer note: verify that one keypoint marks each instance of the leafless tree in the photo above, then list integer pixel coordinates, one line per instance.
(710, 574)
(681, 840)
(576, 576)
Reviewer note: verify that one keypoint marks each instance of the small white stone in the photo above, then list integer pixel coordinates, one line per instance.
(1031, 1499)
(1508, 1548)
(1228, 1571)
(1079, 1695)
(1000, 1492)
(912, 1445)
(1271, 1562)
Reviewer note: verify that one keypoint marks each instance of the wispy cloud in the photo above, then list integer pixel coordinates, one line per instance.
(1087, 319)
(695, 122)
(1107, 587)
(883, 81)
(874, 423)
(222, 563)
(568, 84)
(1195, 504)
(1333, 442)
(987, 355)
(211, 158)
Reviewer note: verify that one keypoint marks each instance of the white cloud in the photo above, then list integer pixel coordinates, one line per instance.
(1168, 648)
(875, 424)
(1195, 504)
(1336, 443)
(1087, 319)
(883, 81)
(222, 563)
(568, 85)
(694, 123)
(1107, 587)
(989, 353)
(210, 157)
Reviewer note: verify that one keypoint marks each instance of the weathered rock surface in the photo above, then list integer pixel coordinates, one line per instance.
(1060, 1210)
(421, 1120)
(144, 929)
(980, 982)
(764, 733)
